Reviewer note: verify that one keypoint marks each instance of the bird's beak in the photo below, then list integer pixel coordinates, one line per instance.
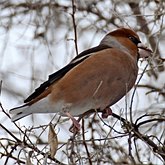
(144, 51)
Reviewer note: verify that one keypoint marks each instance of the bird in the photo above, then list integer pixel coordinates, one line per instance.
(95, 79)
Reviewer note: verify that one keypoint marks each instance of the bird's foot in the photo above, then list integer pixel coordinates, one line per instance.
(106, 112)
(75, 126)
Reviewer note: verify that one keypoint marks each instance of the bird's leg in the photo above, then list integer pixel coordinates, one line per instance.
(106, 112)
(75, 126)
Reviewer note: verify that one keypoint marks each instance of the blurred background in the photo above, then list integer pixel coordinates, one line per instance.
(37, 38)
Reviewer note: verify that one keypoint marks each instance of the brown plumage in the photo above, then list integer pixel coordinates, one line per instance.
(96, 79)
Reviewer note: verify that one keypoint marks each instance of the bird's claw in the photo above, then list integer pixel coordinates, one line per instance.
(106, 112)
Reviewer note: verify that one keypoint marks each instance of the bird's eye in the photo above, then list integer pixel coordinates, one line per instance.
(134, 40)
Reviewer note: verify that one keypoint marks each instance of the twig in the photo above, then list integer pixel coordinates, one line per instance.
(84, 142)
(74, 25)
(133, 94)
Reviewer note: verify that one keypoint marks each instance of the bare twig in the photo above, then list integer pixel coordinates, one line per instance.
(84, 143)
(74, 25)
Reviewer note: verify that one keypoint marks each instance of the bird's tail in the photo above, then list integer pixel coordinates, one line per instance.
(41, 106)
(19, 112)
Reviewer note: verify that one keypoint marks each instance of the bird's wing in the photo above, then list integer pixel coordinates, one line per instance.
(60, 73)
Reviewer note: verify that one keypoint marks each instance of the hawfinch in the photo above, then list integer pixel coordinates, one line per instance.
(95, 79)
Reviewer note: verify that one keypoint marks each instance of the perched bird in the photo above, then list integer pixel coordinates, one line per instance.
(95, 79)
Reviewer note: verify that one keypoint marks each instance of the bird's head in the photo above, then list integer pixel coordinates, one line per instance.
(126, 40)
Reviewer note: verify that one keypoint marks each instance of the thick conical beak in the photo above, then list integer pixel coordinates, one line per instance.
(144, 51)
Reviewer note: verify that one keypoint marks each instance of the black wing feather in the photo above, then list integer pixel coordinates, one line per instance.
(60, 73)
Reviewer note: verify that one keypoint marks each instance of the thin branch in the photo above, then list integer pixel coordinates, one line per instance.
(84, 142)
(133, 94)
(74, 25)
(149, 121)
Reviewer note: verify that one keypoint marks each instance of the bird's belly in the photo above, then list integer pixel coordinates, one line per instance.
(99, 97)
(74, 109)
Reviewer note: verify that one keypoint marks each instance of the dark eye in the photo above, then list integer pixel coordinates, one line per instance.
(134, 40)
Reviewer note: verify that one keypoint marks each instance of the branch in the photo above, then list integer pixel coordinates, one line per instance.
(74, 25)
(134, 129)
